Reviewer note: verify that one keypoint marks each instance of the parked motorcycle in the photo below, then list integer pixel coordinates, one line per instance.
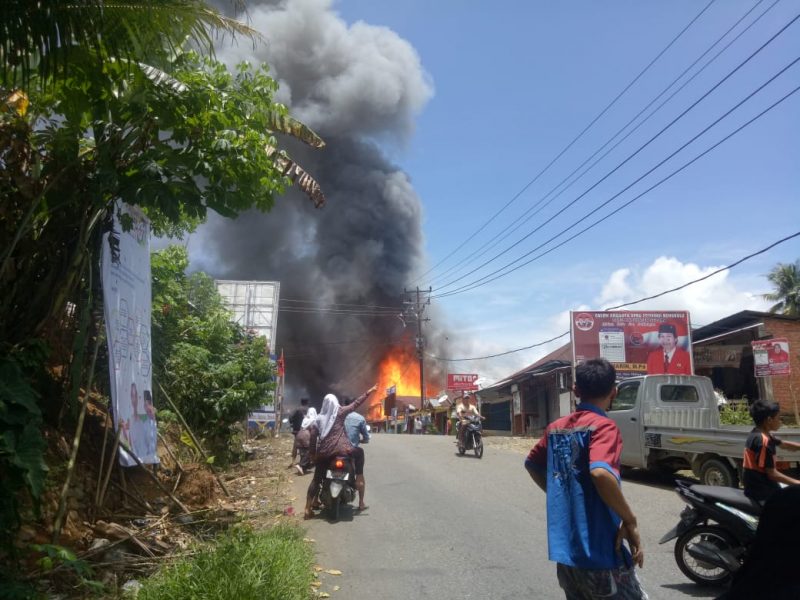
(472, 437)
(339, 485)
(715, 532)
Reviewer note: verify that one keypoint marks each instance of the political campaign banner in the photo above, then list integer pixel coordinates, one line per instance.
(127, 306)
(635, 342)
(718, 355)
(462, 382)
(771, 357)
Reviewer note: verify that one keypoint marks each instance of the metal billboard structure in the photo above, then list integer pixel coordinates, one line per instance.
(254, 305)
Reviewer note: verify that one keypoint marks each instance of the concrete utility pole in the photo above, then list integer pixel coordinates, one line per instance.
(414, 310)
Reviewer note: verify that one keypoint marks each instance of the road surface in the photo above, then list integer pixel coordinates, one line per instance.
(444, 526)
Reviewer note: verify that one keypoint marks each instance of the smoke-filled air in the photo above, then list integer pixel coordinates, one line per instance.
(358, 86)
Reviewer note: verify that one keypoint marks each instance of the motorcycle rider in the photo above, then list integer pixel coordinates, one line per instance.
(760, 477)
(329, 439)
(464, 410)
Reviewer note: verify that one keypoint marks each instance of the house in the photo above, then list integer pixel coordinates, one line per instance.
(526, 401)
(722, 351)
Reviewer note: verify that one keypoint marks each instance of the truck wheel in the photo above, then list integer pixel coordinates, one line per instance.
(716, 471)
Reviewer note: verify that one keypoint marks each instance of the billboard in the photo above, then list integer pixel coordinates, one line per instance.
(254, 305)
(127, 305)
(462, 382)
(771, 357)
(636, 343)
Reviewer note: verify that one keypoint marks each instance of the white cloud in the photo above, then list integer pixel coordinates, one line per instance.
(719, 296)
(707, 301)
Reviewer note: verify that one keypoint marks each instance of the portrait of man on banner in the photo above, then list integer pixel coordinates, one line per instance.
(669, 358)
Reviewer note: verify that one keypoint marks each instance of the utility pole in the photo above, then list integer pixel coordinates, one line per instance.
(415, 309)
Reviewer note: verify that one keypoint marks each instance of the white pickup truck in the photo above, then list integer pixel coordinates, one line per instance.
(671, 423)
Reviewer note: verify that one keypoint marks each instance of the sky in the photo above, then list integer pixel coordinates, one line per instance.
(504, 88)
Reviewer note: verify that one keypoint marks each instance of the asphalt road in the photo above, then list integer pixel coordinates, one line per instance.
(444, 526)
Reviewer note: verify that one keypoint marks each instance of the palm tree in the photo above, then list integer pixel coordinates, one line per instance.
(49, 37)
(786, 279)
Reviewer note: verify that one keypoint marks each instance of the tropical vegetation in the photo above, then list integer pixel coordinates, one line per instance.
(786, 295)
(109, 101)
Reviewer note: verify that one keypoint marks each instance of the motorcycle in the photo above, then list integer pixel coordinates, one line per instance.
(715, 532)
(472, 438)
(339, 485)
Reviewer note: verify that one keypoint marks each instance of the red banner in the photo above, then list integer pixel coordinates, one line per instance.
(771, 357)
(636, 343)
(462, 382)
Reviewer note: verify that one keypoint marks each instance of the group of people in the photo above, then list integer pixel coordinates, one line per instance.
(593, 534)
(337, 430)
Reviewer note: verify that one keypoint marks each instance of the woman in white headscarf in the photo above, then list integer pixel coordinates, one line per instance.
(329, 439)
(302, 443)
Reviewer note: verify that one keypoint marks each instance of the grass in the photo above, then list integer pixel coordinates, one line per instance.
(242, 564)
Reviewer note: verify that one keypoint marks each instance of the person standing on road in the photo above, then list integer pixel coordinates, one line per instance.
(576, 462)
(296, 420)
(302, 444)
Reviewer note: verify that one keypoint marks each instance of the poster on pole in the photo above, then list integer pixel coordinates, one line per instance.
(771, 357)
(635, 342)
(127, 304)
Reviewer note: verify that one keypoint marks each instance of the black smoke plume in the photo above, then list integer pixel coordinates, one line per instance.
(357, 86)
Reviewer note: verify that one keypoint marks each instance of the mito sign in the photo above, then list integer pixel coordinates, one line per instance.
(462, 382)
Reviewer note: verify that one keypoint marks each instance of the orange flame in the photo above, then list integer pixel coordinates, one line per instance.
(400, 368)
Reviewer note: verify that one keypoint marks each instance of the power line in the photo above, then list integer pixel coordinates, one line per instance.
(607, 175)
(340, 304)
(505, 269)
(532, 211)
(664, 293)
(575, 139)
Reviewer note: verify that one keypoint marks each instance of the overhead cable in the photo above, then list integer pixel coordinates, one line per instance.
(626, 160)
(538, 206)
(664, 293)
(575, 139)
(505, 269)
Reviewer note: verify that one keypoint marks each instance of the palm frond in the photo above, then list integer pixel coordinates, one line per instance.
(37, 36)
(298, 175)
(291, 126)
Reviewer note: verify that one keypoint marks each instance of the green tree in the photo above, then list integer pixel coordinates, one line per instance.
(786, 279)
(45, 40)
(212, 369)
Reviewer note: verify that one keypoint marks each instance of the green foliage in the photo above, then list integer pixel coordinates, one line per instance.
(215, 372)
(786, 279)
(21, 443)
(735, 413)
(242, 565)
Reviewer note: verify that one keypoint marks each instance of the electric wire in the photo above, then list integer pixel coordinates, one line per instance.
(625, 161)
(489, 277)
(481, 283)
(574, 140)
(532, 211)
(664, 293)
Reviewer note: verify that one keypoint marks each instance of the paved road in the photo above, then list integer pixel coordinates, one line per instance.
(443, 526)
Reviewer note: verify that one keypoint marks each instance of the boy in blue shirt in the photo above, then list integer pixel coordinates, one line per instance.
(576, 462)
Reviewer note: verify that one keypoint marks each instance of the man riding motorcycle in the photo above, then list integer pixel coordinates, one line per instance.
(465, 409)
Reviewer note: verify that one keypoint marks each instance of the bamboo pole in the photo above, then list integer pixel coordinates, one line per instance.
(102, 458)
(194, 440)
(111, 462)
(76, 442)
(171, 454)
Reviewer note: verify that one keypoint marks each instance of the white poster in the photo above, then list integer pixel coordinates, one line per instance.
(127, 300)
